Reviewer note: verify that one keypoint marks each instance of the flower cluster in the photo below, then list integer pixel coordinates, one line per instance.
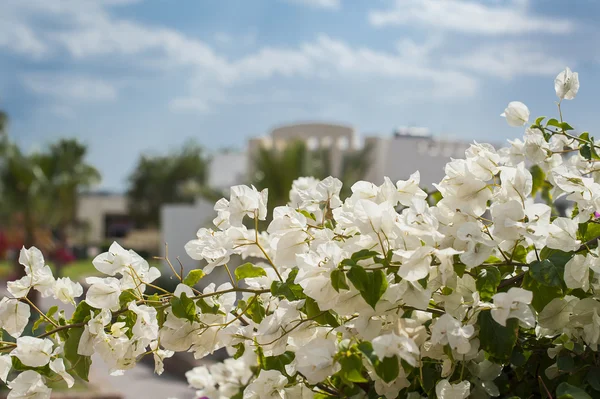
(474, 290)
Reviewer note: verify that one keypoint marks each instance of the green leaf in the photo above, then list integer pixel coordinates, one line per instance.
(338, 280)
(430, 377)
(184, 307)
(248, 270)
(254, 309)
(19, 366)
(363, 254)
(586, 151)
(288, 289)
(126, 297)
(538, 121)
(240, 349)
(79, 364)
(206, 308)
(312, 310)
(387, 369)
(352, 369)
(539, 178)
(371, 284)
(498, 341)
(553, 122)
(193, 277)
(542, 294)
(307, 214)
(487, 282)
(565, 363)
(547, 272)
(568, 391)
(566, 127)
(278, 362)
(51, 312)
(590, 231)
(593, 378)
(82, 312)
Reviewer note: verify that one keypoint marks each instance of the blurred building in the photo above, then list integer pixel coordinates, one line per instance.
(318, 136)
(410, 149)
(397, 156)
(101, 217)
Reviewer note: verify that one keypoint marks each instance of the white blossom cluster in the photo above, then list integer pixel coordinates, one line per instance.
(345, 296)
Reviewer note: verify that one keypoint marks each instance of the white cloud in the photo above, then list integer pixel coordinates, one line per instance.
(508, 60)
(70, 87)
(508, 18)
(20, 38)
(324, 4)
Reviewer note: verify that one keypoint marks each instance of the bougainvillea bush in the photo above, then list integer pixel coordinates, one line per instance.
(487, 287)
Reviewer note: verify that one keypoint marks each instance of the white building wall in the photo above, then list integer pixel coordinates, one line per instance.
(227, 169)
(92, 209)
(399, 157)
(179, 224)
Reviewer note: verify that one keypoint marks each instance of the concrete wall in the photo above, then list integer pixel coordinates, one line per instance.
(179, 224)
(92, 208)
(228, 169)
(399, 157)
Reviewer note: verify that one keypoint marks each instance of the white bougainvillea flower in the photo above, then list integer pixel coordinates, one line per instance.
(446, 390)
(215, 247)
(146, 324)
(159, 356)
(562, 235)
(315, 360)
(396, 345)
(246, 201)
(577, 271)
(29, 385)
(58, 366)
(103, 293)
(113, 261)
(268, 385)
(556, 315)
(516, 114)
(20, 288)
(66, 290)
(5, 366)
(33, 352)
(448, 330)
(38, 275)
(14, 316)
(566, 84)
(513, 304)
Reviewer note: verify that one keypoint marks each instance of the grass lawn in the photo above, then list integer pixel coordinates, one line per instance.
(75, 270)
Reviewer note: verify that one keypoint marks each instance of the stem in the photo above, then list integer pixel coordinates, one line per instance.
(49, 320)
(166, 258)
(513, 280)
(262, 249)
(230, 276)
(237, 289)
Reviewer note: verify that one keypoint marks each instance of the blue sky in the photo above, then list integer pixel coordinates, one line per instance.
(133, 76)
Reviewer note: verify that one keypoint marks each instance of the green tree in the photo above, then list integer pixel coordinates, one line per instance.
(3, 123)
(67, 174)
(277, 169)
(42, 189)
(179, 177)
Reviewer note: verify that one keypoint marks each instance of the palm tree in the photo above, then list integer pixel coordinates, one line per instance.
(67, 175)
(3, 123)
(277, 169)
(43, 188)
(179, 177)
